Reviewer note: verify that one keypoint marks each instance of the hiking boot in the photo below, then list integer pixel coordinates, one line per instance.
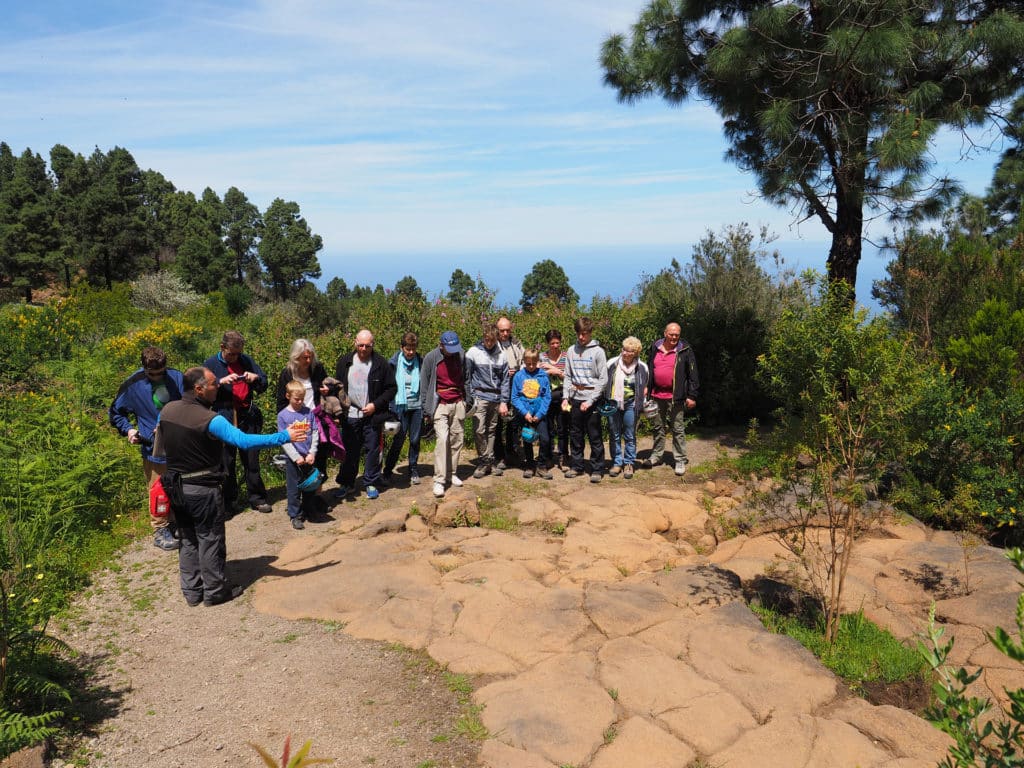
(615, 471)
(414, 478)
(297, 523)
(571, 473)
(439, 490)
(545, 472)
(481, 471)
(628, 472)
(498, 470)
(502, 465)
(342, 492)
(595, 477)
(680, 468)
(164, 539)
(527, 474)
(372, 492)
(263, 507)
(231, 593)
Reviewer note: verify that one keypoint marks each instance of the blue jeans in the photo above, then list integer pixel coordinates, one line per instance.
(543, 440)
(622, 429)
(409, 423)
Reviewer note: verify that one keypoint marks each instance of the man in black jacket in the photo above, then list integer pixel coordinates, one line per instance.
(674, 388)
(370, 381)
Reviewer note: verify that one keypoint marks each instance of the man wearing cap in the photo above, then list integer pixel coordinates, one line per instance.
(674, 387)
(142, 396)
(443, 390)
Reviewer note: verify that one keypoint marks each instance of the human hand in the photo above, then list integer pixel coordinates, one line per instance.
(231, 378)
(133, 436)
(584, 407)
(690, 403)
(370, 409)
(298, 431)
(503, 410)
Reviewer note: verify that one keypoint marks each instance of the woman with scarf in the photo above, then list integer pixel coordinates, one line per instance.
(628, 379)
(408, 406)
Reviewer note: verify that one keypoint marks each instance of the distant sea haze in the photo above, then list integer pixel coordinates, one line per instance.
(613, 271)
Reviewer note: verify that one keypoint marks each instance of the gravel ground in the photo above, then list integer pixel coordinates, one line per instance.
(177, 686)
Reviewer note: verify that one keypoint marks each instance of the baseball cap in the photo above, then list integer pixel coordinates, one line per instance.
(450, 342)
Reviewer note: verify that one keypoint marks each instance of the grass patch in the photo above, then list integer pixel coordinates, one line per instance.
(862, 653)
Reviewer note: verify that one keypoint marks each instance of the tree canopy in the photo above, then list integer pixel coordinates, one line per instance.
(830, 103)
(288, 249)
(547, 279)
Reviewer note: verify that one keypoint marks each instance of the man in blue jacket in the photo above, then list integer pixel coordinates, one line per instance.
(238, 379)
(134, 414)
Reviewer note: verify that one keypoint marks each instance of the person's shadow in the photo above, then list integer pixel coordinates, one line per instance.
(249, 570)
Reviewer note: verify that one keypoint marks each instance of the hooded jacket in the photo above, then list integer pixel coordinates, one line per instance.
(586, 372)
(487, 376)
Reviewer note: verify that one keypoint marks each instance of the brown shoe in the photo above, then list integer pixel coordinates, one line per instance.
(615, 471)
(628, 472)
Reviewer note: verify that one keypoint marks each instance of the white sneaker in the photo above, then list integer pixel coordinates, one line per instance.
(456, 482)
(680, 468)
(439, 490)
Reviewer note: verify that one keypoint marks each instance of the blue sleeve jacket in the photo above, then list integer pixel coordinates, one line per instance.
(537, 406)
(135, 399)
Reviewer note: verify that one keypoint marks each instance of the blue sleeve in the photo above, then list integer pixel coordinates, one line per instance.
(518, 401)
(545, 394)
(225, 431)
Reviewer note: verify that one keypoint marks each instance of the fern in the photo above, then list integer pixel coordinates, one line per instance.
(18, 730)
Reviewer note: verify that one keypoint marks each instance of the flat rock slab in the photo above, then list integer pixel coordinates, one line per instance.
(614, 645)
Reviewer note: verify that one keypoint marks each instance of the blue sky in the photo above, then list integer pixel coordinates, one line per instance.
(416, 136)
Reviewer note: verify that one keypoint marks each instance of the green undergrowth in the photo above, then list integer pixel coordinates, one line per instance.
(862, 653)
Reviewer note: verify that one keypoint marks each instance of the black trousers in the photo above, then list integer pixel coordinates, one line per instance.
(204, 548)
(586, 422)
(252, 424)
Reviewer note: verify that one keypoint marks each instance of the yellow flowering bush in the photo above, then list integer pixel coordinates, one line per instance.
(175, 337)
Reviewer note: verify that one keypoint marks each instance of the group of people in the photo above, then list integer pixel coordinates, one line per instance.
(193, 427)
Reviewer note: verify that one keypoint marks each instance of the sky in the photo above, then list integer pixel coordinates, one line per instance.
(416, 136)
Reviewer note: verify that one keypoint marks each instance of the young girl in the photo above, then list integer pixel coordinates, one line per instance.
(301, 455)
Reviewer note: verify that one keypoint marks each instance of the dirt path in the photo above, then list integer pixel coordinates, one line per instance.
(178, 686)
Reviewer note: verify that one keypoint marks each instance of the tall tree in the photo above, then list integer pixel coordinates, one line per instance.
(830, 103)
(288, 249)
(460, 285)
(1005, 199)
(408, 287)
(242, 226)
(72, 180)
(337, 289)
(29, 237)
(547, 279)
(156, 192)
(202, 258)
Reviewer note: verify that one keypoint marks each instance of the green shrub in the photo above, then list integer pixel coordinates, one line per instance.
(991, 355)
(964, 466)
(978, 739)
